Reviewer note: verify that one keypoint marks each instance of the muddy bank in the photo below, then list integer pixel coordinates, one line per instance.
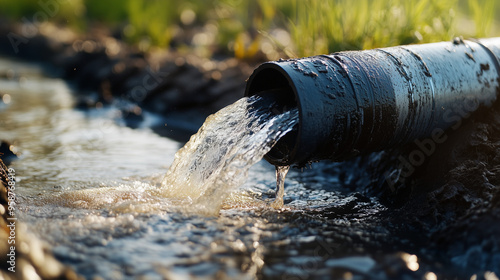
(449, 200)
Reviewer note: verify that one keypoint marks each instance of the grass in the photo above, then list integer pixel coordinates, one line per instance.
(152, 21)
(270, 29)
(373, 24)
(483, 14)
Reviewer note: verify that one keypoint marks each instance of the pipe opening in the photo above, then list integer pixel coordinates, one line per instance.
(270, 79)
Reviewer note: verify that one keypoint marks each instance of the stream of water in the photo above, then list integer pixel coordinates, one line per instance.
(216, 160)
(96, 192)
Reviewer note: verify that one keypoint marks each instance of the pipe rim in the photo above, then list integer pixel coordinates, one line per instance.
(254, 87)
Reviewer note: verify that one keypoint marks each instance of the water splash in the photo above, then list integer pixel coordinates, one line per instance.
(216, 160)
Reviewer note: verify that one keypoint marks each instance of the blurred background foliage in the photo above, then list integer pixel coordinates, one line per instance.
(264, 29)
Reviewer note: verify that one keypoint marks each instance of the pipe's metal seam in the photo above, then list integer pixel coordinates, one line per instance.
(433, 90)
(412, 112)
(428, 74)
(495, 58)
(372, 100)
(402, 70)
(344, 68)
(358, 102)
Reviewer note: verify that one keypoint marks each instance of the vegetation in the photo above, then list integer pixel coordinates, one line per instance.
(279, 28)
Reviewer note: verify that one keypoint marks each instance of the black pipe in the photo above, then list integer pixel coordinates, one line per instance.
(362, 101)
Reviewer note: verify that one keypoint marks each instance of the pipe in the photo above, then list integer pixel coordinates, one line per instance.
(362, 101)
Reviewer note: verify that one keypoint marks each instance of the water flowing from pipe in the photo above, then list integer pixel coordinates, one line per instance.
(216, 160)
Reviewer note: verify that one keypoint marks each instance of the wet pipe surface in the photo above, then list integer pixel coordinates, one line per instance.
(356, 102)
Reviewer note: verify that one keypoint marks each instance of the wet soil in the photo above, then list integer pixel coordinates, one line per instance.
(449, 202)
